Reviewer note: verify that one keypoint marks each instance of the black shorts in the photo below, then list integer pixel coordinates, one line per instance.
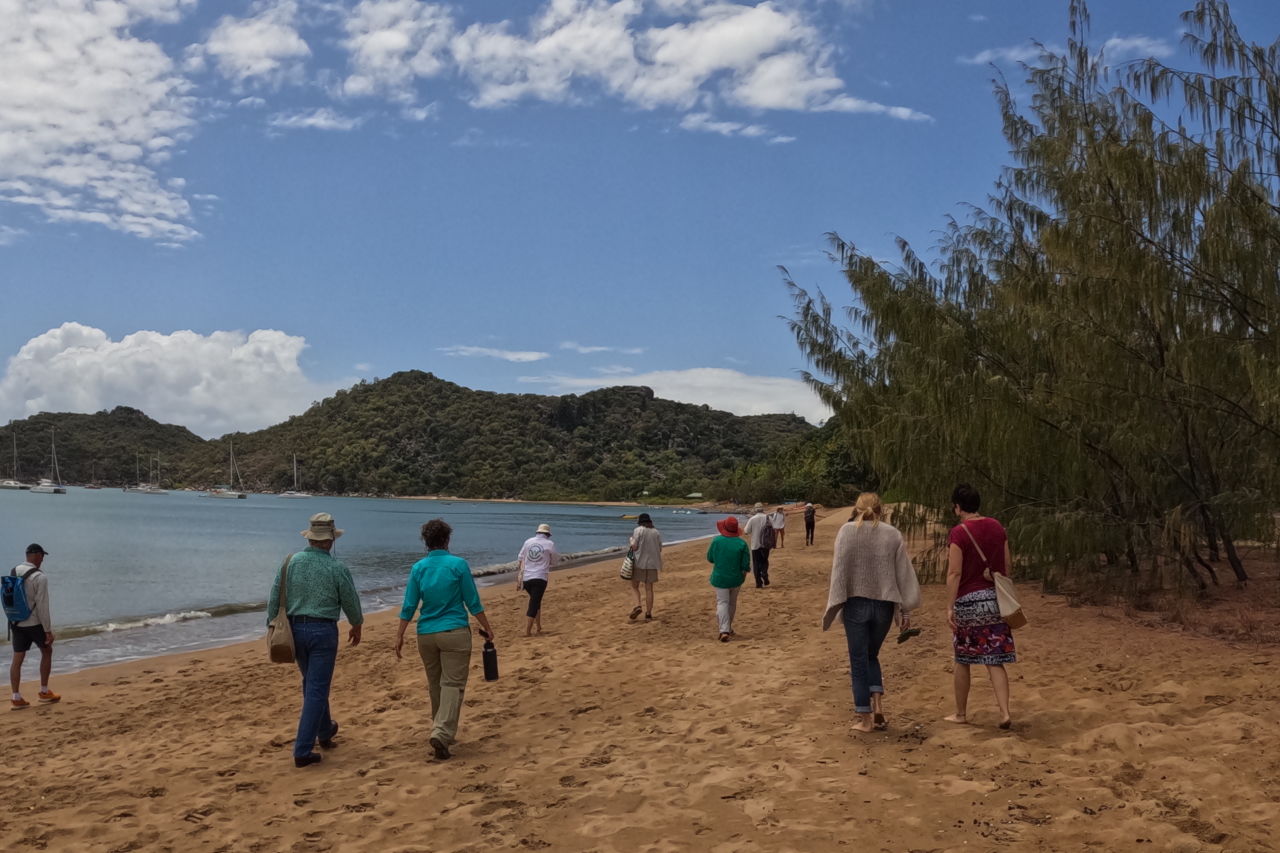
(25, 638)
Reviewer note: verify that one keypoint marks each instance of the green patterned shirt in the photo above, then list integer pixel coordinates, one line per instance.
(317, 585)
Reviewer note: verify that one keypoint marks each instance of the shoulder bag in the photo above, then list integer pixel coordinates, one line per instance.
(628, 565)
(1006, 595)
(279, 633)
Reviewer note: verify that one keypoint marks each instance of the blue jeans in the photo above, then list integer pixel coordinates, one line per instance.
(315, 647)
(866, 624)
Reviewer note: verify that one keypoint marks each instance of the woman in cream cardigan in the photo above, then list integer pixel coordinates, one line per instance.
(871, 579)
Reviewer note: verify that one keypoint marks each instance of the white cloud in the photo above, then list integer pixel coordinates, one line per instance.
(265, 48)
(1116, 48)
(1132, 47)
(251, 103)
(88, 112)
(1015, 53)
(718, 387)
(392, 43)
(321, 118)
(418, 113)
(705, 123)
(489, 352)
(10, 235)
(364, 367)
(978, 18)
(763, 56)
(211, 384)
(589, 350)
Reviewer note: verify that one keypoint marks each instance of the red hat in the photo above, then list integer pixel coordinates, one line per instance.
(728, 526)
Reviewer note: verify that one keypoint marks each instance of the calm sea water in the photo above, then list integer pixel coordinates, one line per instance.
(134, 575)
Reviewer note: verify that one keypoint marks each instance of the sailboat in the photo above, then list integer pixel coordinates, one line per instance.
(294, 493)
(14, 484)
(225, 491)
(146, 488)
(53, 486)
(93, 476)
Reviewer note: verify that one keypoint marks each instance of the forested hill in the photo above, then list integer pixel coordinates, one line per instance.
(413, 433)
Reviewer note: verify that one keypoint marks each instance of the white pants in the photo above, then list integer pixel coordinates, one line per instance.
(726, 607)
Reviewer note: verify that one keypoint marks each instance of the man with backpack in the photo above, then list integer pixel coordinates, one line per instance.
(26, 605)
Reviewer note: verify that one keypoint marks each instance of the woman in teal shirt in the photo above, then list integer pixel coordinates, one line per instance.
(730, 560)
(441, 585)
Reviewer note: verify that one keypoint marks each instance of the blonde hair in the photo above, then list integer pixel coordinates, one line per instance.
(868, 506)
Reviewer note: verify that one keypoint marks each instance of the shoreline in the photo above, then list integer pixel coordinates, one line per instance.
(485, 579)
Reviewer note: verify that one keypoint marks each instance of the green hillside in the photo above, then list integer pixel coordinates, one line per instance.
(413, 433)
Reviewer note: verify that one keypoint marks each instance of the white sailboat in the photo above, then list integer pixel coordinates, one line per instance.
(53, 486)
(294, 493)
(146, 488)
(13, 483)
(225, 491)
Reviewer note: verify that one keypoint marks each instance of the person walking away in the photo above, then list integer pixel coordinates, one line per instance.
(537, 557)
(317, 589)
(36, 630)
(872, 579)
(779, 522)
(646, 542)
(809, 517)
(981, 636)
(442, 592)
(758, 529)
(730, 560)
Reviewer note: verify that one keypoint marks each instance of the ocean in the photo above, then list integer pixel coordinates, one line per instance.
(135, 575)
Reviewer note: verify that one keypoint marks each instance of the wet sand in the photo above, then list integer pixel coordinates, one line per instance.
(609, 735)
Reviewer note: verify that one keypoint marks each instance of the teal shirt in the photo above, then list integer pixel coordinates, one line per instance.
(730, 560)
(441, 584)
(318, 585)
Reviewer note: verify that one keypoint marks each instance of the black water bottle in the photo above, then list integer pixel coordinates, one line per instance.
(490, 658)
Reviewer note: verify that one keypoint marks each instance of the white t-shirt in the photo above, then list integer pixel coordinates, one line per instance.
(754, 524)
(778, 520)
(538, 555)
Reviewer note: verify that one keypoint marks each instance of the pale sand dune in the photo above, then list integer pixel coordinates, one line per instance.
(617, 736)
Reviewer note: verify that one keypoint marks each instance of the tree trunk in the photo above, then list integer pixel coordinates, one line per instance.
(1229, 545)
(1210, 533)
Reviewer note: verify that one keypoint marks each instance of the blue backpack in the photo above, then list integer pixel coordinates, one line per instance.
(13, 595)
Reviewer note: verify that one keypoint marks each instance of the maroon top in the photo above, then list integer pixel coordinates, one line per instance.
(991, 536)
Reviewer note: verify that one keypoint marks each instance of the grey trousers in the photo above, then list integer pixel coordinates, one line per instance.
(726, 607)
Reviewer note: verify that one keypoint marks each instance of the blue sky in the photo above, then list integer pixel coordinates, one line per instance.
(220, 212)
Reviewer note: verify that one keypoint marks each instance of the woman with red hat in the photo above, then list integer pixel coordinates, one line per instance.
(730, 560)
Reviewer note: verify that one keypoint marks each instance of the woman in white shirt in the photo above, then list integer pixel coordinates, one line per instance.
(646, 542)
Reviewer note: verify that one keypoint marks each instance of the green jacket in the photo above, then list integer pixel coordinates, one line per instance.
(730, 560)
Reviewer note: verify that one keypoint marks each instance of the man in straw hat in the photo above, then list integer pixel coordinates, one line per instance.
(317, 587)
(755, 531)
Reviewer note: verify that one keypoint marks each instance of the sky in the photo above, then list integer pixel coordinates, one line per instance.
(222, 212)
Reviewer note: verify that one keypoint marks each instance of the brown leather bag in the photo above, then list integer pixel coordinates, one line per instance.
(279, 632)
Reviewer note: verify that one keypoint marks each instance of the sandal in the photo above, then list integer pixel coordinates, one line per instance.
(880, 722)
(636, 612)
(724, 638)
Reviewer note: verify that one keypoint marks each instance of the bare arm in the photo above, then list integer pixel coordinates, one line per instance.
(955, 566)
(404, 624)
(484, 623)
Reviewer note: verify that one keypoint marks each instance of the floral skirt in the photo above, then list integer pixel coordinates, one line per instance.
(981, 635)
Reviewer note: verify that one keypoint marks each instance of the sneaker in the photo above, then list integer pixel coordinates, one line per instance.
(328, 742)
(306, 760)
(48, 696)
(440, 749)
(19, 704)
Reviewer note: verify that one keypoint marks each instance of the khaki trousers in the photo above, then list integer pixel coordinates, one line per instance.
(446, 656)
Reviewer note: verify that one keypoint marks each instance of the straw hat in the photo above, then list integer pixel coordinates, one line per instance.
(322, 527)
(544, 528)
(757, 508)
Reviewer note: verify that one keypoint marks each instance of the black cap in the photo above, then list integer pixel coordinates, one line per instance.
(644, 518)
(33, 548)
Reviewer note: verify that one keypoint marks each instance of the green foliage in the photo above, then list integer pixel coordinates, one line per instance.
(1097, 351)
(415, 434)
(819, 466)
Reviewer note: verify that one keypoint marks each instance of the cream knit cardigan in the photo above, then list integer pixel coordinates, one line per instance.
(871, 561)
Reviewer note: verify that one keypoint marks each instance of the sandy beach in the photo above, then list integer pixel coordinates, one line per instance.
(615, 736)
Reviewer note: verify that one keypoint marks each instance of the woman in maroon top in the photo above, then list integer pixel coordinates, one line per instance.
(981, 636)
